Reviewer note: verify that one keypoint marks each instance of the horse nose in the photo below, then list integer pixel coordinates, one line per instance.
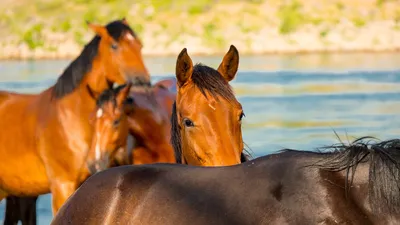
(99, 165)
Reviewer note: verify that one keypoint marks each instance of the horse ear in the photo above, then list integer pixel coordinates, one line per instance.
(92, 93)
(184, 68)
(229, 64)
(98, 29)
(123, 20)
(123, 93)
(129, 105)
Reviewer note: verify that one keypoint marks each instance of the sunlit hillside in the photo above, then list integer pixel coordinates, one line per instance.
(57, 28)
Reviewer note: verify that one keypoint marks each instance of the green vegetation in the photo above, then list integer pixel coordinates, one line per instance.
(291, 17)
(359, 22)
(33, 37)
(46, 23)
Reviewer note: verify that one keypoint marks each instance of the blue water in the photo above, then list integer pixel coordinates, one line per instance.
(289, 101)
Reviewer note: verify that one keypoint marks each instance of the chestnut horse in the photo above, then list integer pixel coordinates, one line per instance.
(110, 134)
(111, 127)
(355, 184)
(150, 124)
(56, 132)
(206, 117)
(150, 146)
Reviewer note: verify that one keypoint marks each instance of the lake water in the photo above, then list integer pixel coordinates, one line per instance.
(289, 101)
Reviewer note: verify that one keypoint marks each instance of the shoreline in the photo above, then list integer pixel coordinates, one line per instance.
(32, 57)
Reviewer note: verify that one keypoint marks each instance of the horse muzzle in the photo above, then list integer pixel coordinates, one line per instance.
(99, 165)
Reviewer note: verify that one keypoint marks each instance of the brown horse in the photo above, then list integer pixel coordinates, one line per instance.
(111, 127)
(110, 123)
(150, 146)
(150, 124)
(43, 155)
(355, 184)
(206, 118)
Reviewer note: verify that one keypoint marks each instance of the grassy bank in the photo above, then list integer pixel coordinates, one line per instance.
(57, 29)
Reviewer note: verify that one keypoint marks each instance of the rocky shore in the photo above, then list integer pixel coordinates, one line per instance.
(204, 27)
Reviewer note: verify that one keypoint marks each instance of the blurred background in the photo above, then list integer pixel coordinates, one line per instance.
(308, 68)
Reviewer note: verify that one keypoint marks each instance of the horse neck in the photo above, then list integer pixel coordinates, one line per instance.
(80, 99)
(73, 112)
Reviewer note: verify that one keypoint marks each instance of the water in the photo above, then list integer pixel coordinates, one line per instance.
(289, 101)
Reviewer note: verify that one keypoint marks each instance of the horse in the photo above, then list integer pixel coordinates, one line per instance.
(206, 116)
(354, 184)
(150, 125)
(111, 129)
(41, 155)
(149, 146)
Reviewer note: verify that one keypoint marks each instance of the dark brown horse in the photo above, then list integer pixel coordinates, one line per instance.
(57, 134)
(356, 184)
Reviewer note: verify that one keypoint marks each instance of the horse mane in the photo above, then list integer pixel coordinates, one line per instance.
(384, 169)
(208, 81)
(77, 69)
(109, 95)
(176, 141)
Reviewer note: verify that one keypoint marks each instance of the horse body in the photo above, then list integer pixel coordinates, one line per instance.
(19, 113)
(276, 189)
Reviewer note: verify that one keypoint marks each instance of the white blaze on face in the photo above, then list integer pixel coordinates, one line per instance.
(99, 113)
(97, 149)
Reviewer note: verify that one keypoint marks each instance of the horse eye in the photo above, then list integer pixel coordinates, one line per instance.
(116, 123)
(114, 46)
(188, 123)
(241, 116)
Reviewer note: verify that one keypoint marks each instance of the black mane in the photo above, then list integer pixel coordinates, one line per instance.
(384, 168)
(75, 72)
(209, 81)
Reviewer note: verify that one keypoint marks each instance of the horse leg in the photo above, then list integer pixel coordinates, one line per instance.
(28, 210)
(20, 209)
(61, 190)
(12, 213)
